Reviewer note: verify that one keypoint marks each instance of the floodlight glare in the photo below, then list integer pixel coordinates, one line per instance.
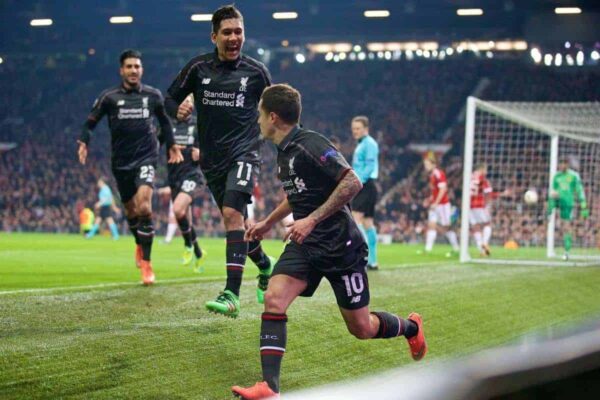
(567, 10)
(126, 19)
(41, 22)
(201, 17)
(376, 13)
(469, 12)
(285, 15)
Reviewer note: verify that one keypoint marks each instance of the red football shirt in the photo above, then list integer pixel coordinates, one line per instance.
(480, 186)
(437, 180)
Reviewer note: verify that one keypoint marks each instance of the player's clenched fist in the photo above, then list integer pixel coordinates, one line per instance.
(257, 231)
(184, 112)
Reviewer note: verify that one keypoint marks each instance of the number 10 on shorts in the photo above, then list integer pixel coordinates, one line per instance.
(354, 284)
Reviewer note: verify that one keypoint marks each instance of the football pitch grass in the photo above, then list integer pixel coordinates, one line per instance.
(75, 322)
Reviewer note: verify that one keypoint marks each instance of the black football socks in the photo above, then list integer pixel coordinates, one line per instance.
(273, 338)
(236, 251)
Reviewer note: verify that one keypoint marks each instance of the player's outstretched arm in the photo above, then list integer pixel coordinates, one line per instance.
(258, 230)
(345, 191)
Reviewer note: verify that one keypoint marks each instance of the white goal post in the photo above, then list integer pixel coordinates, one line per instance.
(523, 144)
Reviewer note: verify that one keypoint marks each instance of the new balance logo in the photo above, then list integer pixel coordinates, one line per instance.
(121, 102)
(205, 81)
(242, 182)
(355, 300)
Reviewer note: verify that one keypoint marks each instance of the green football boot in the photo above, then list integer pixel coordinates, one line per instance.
(226, 303)
(187, 257)
(452, 254)
(263, 281)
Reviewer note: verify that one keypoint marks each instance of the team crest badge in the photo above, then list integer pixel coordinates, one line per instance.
(243, 84)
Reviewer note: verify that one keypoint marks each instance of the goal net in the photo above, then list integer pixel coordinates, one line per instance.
(520, 148)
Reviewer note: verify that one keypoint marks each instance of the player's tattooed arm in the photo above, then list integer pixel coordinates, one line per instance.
(345, 191)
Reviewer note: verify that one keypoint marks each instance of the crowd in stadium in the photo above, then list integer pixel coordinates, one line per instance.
(42, 185)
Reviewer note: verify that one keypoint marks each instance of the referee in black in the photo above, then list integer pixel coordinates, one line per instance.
(131, 108)
(227, 85)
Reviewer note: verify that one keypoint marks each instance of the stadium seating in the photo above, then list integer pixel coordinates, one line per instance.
(41, 181)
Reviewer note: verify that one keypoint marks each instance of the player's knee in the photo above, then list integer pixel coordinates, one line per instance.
(179, 212)
(360, 331)
(232, 218)
(274, 302)
(144, 209)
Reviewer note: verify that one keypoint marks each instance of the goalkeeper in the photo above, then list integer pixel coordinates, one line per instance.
(566, 186)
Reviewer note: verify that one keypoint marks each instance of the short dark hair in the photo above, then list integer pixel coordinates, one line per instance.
(129, 53)
(225, 12)
(362, 119)
(283, 100)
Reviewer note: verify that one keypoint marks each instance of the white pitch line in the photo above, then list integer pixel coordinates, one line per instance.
(175, 280)
(423, 264)
(112, 284)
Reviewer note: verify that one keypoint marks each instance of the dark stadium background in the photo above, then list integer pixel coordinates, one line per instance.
(51, 75)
